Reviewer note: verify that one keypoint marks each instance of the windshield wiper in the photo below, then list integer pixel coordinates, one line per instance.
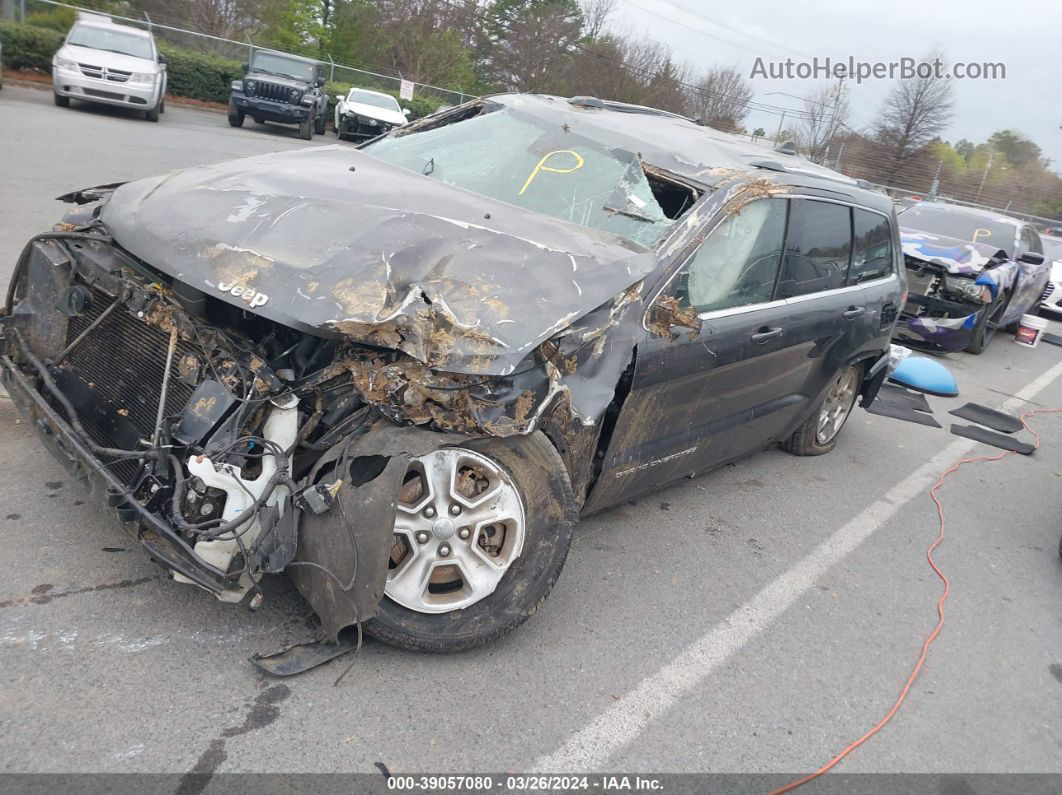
(629, 214)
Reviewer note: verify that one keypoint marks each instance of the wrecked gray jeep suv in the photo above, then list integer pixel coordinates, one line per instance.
(400, 373)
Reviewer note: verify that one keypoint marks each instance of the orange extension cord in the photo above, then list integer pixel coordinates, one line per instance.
(940, 606)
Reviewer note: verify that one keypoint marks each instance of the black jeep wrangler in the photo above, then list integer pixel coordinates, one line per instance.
(280, 88)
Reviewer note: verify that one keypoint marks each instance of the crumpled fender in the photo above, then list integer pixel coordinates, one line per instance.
(1000, 278)
(341, 564)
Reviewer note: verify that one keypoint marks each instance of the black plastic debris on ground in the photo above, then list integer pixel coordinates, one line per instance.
(990, 418)
(1052, 339)
(999, 440)
(902, 404)
(900, 411)
(897, 394)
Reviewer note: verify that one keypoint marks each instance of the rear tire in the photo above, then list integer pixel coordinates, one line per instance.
(306, 129)
(236, 116)
(818, 435)
(533, 470)
(61, 101)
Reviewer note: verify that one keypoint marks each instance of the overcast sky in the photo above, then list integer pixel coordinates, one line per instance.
(1026, 35)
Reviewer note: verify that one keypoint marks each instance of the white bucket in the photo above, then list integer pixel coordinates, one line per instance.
(1030, 329)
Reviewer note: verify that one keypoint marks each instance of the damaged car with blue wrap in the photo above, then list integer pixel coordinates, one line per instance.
(970, 272)
(400, 373)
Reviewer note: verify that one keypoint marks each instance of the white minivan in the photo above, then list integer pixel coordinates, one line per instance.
(101, 61)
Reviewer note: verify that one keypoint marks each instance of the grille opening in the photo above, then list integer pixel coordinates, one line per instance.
(120, 366)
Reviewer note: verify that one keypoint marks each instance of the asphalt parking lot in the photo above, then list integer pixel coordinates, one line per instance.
(753, 620)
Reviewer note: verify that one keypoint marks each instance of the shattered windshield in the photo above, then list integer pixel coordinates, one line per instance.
(537, 165)
(971, 227)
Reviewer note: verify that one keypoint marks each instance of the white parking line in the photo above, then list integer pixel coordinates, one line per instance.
(590, 748)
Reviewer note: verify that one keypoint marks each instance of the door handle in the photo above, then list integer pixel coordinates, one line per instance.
(853, 312)
(766, 334)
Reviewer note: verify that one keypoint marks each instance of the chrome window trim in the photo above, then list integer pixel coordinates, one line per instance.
(737, 310)
(716, 313)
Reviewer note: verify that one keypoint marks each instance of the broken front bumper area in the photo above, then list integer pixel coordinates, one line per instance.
(352, 125)
(158, 536)
(119, 382)
(941, 312)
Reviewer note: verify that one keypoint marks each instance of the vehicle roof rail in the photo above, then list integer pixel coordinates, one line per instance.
(770, 165)
(587, 102)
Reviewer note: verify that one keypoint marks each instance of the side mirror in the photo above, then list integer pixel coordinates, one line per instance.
(340, 97)
(246, 66)
(1031, 258)
(405, 112)
(162, 58)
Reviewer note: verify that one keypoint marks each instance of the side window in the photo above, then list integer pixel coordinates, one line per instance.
(1033, 241)
(737, 264)
(872, 247)
(817, 249)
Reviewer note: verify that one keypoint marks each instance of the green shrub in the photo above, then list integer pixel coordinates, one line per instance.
(199, 76)
(28, 47)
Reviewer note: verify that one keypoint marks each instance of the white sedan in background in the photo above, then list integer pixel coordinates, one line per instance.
(1051, 300)
(366, 114)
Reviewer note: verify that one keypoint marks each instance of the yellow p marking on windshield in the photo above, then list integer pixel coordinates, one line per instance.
(543, 167)
(981, 233)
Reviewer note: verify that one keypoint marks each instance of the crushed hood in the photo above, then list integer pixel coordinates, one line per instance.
(954, 255)
(334, 241)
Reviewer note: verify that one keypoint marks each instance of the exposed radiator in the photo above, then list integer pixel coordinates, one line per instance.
(119, 365)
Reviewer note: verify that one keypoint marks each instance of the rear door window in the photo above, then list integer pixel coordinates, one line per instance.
(817, 250)
(872, 246)
(737, 264)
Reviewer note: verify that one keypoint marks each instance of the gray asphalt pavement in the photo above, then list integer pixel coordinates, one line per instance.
(753, 620)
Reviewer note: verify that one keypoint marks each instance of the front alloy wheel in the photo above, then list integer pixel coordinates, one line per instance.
(459, 526)
(480, 535)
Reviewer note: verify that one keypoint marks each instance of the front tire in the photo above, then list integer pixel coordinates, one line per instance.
(306, 129)
(818, 435)
(153, 114)
(236, 116)
(453, 586)
(319, 125)
(986, 326)
(61, 101)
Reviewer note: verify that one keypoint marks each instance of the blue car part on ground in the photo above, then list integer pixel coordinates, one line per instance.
(925, 375)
